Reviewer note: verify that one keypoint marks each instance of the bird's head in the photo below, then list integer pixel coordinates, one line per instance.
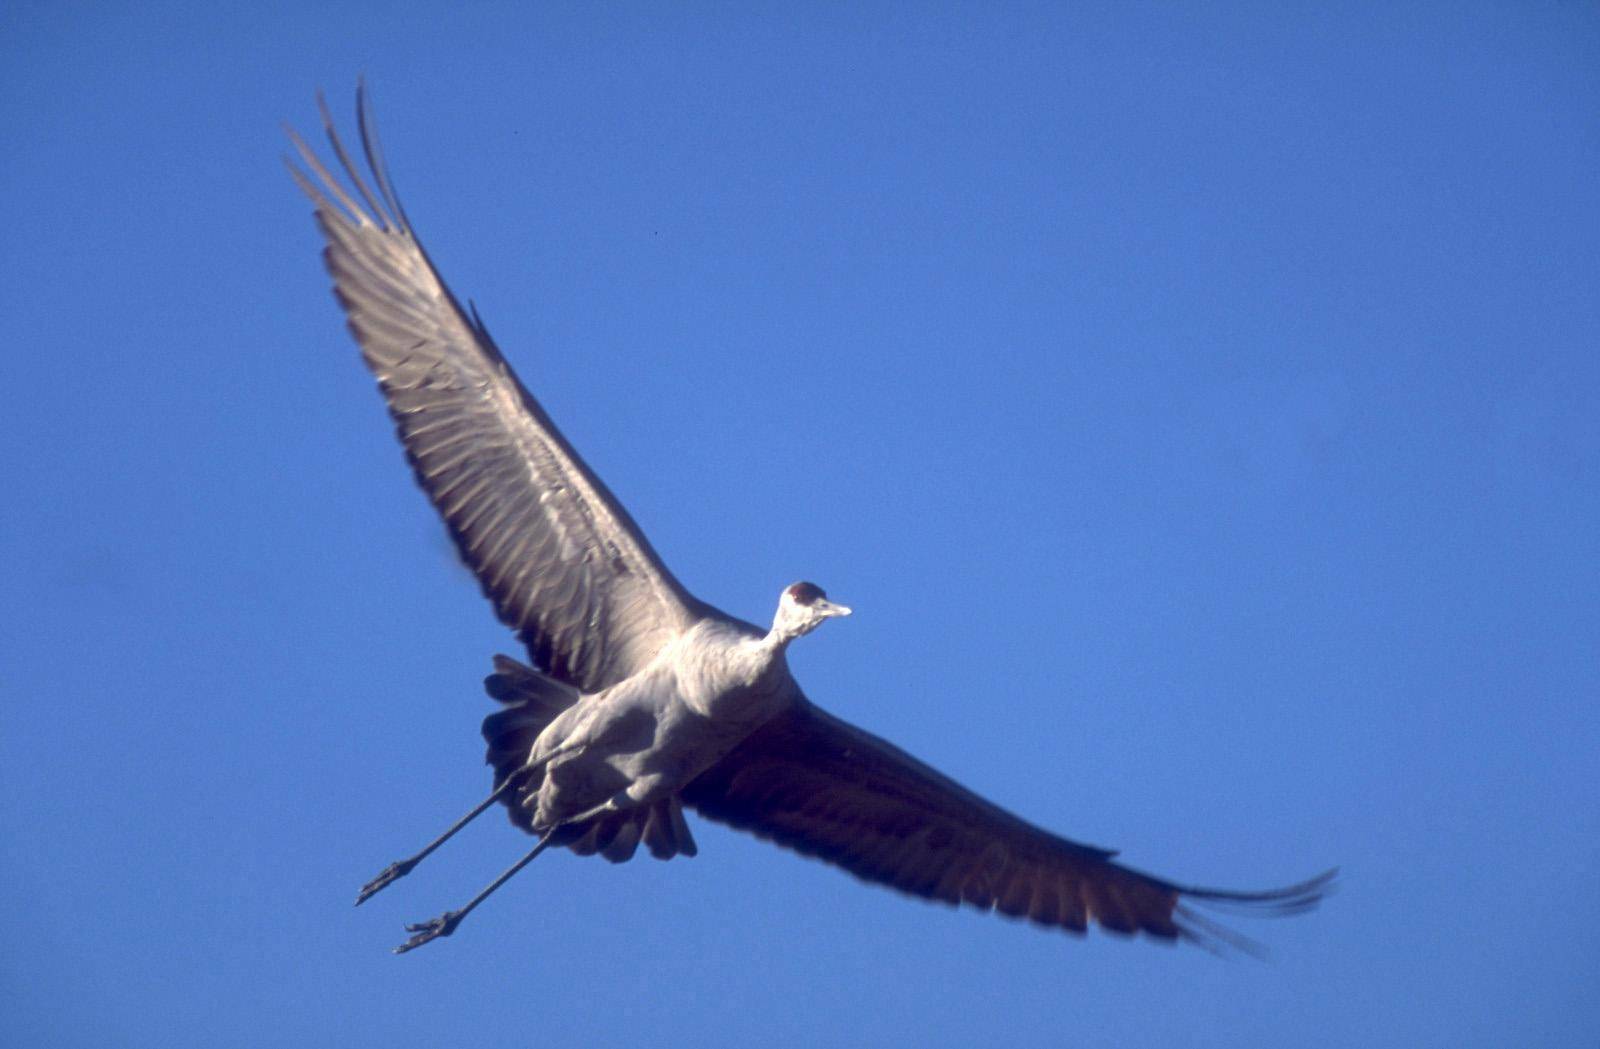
(801, 609)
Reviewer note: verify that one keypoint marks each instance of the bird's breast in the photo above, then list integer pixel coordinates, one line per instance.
(723, 675)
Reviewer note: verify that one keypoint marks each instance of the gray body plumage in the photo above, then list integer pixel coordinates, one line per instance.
(642, 698)
(643, 739)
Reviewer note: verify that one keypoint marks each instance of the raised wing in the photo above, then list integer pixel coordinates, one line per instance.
(560, 559)
(824, 788)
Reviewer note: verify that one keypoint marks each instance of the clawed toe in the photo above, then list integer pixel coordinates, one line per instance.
(429, 930)
(390, 874)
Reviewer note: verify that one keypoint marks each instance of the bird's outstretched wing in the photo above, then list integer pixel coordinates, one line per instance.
(824, 788)
(555, 552)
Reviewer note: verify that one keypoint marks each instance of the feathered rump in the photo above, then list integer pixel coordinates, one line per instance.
(532, 700)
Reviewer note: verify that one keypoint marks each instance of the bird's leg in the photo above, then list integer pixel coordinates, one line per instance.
(446, 923)
(400, 868)
(609, 805)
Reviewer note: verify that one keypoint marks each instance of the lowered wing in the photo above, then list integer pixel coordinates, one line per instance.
(824, 788)
(561, 560)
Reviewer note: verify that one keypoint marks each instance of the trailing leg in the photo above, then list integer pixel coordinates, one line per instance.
(446, 923)
(400, 868)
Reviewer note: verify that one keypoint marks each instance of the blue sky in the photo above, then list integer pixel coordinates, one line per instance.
(1201, 410)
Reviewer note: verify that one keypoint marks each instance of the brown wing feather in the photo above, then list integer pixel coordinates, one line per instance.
(824, 788)
(557, 555)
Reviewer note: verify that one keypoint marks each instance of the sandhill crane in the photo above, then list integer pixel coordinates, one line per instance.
(642, 698)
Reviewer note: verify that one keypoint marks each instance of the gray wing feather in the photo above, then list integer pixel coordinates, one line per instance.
(561, 560)
(813, 783)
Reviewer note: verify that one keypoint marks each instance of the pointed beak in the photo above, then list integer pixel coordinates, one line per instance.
(828, 608)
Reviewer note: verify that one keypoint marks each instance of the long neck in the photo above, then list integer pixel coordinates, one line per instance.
(778, 638)
(786, 626)
(758, 657)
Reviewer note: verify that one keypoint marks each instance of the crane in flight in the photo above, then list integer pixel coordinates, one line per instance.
(641, 698)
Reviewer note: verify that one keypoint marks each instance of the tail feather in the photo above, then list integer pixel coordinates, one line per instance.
(666, 833)
(516, 684)
(617, 835)
(532, 700)
(657, 835)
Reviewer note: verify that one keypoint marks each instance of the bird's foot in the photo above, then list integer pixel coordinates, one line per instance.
(392, 873)
(431, 929)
